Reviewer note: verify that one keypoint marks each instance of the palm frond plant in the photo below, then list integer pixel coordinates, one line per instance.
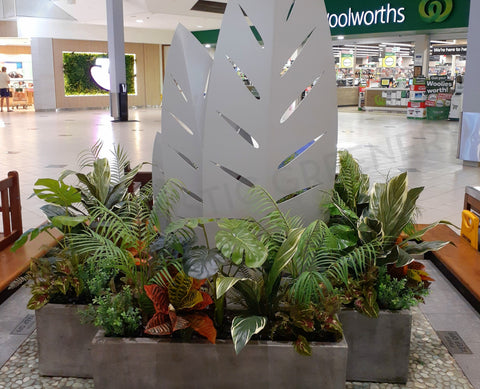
(68, 206)
(107, 180)
(80, 212)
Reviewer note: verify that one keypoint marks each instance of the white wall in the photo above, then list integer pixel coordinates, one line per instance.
(471, 95)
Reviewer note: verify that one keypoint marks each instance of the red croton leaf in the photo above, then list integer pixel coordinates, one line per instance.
(159, 297)
(177, 322)
(207, 300)
(201, 323)
(158, 325)
(197, 284)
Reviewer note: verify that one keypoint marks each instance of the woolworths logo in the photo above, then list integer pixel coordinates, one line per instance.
(386, 14)
(435, 10)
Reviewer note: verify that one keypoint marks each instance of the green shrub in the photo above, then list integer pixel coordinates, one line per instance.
(115, 313)
(396, 293)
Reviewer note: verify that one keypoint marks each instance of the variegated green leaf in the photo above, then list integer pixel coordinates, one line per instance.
(243, 328)
(223, 284)
(414, 248)
(283, 257)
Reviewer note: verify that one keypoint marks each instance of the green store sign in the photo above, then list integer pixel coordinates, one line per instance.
(374, 16)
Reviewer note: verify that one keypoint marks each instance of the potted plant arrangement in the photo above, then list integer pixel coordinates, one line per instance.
(269, 282)
(65, 281)
(378, 324)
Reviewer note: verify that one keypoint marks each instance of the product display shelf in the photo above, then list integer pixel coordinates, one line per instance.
(416, 106)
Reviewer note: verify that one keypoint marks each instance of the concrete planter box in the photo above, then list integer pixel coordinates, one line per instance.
(141, 363)
(63, 342)
(378, 349)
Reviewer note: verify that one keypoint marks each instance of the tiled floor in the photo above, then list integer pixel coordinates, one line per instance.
(43, 144)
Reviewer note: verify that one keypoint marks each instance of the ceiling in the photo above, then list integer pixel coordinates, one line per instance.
(155, 14)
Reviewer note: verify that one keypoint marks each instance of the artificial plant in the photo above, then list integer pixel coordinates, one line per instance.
(382, 215)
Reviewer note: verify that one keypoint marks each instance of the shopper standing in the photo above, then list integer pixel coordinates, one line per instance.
(4, 90)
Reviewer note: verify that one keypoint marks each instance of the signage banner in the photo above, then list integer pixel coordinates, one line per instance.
(349, 17)
(346, 61)
(449, 50)
(438, 84)
(373, 16)
(418, 60)
(390, 60)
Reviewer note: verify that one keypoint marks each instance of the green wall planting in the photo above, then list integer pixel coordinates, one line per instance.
(76, 73)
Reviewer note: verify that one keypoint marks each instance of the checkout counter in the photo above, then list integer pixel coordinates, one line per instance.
(387, 99)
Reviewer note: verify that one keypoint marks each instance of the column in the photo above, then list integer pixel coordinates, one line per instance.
(469, 143)
(116, 54)
(422, 53)
(44, 74)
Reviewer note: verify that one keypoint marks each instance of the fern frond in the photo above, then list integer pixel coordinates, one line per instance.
(116, 227)
(165, 200)
(357, 262)
(350, 181)
(118, 163)
(163, 275)
(88, 156)
(264, 204)
(308, 247)
(98, 247)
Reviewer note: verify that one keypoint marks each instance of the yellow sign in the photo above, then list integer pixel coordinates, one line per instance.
(390, 60)
(346, 61)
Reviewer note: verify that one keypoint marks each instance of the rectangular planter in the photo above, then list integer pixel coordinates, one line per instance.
(378, 349)
(141, 363)
(63, 341)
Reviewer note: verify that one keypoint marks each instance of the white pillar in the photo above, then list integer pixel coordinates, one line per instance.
(116, 53)
(469, 144)
(422, 47)
(43, 74)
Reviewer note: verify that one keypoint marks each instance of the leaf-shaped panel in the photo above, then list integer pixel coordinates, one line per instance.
(183, 112)
(285, 29)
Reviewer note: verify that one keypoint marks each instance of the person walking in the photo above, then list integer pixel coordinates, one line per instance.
(4, 90)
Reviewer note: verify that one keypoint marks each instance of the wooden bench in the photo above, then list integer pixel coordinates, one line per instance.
(13, 264)
(460, 262)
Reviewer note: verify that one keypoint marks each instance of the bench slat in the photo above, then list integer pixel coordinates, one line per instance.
(5, 212)
(14, 264)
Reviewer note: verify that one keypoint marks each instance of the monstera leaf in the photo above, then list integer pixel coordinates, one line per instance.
(237, 242)
(56, 192)
(202, 263)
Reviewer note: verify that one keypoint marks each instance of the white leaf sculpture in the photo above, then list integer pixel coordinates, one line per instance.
(268, 123)
(178, 149)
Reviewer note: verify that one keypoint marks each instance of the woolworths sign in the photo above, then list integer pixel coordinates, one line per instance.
(370, 16)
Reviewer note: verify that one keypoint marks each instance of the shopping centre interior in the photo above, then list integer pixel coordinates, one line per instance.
(394, 116)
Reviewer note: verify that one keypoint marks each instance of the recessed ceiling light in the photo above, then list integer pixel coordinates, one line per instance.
(139, 20)
(208, 45)
(199, 26)
(340, 37)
